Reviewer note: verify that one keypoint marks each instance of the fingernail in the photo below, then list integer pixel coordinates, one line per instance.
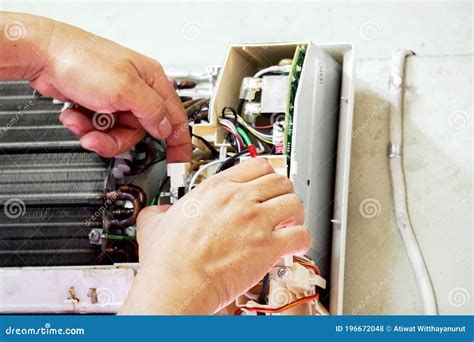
(165, 128)
(93, 149)
(74, 129)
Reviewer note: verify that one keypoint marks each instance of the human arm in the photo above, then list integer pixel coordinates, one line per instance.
(70, 64)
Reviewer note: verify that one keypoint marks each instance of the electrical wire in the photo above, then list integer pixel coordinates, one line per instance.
(201, 170)
(262, 127)
(236, 137)
(273, 69)
(262, 296)
(244, 136)
(229, 162)
(232, 110)
(229, 126)
(267, 138)
(279, 309)
(307, 263)
(211, 148)
(399, 185)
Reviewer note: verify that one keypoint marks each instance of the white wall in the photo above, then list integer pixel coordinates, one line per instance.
(199, 32)
(438, 151)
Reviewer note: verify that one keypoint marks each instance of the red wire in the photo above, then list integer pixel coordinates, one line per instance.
(263, 127)
(307, 264)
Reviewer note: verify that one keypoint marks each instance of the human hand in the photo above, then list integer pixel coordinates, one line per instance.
(216, 242)
(70, 64)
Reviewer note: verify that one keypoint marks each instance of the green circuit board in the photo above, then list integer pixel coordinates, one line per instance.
(294, 77)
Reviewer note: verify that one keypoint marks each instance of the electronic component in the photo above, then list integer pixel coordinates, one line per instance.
(274, 94)
(291, 288)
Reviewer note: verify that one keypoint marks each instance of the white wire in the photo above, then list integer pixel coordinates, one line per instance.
(206, 166)
(399, 185)
(273, 68)
(265, 137)
(230, 125)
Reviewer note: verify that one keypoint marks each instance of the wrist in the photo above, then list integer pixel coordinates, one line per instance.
(25, 42)
(171, 291)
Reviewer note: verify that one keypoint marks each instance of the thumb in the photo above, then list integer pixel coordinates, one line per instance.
(149, 219)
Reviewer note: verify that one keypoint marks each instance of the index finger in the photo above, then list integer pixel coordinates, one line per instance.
(179, 146)
(247, 171)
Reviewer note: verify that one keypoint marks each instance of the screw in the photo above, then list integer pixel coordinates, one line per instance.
(283, 273)
(94, 236)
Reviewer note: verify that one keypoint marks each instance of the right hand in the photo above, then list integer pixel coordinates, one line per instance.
(218, 241)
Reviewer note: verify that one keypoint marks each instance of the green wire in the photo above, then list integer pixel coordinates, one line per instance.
(119, 237)
(244, 135)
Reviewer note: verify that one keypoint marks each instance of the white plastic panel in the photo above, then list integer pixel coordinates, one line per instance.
(94, 289)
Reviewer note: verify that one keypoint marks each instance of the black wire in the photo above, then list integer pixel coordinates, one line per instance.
(232, 110)
(161, 188)
(211, 148)
(240, 106)
(262, 296)
(230, 161)
(232, 141)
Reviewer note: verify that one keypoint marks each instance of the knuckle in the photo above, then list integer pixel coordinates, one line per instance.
(306, 238)
(159, 67)
(294, 200)
(248, 213)
(260, 237)
(263, 164)
(285, 182)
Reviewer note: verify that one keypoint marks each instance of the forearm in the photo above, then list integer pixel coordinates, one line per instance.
(179, 292)
(24, 45)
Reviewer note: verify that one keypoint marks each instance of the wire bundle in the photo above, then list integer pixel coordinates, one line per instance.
(265, 137)
(279, 309)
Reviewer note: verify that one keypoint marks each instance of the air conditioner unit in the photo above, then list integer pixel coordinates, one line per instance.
(67, 228)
